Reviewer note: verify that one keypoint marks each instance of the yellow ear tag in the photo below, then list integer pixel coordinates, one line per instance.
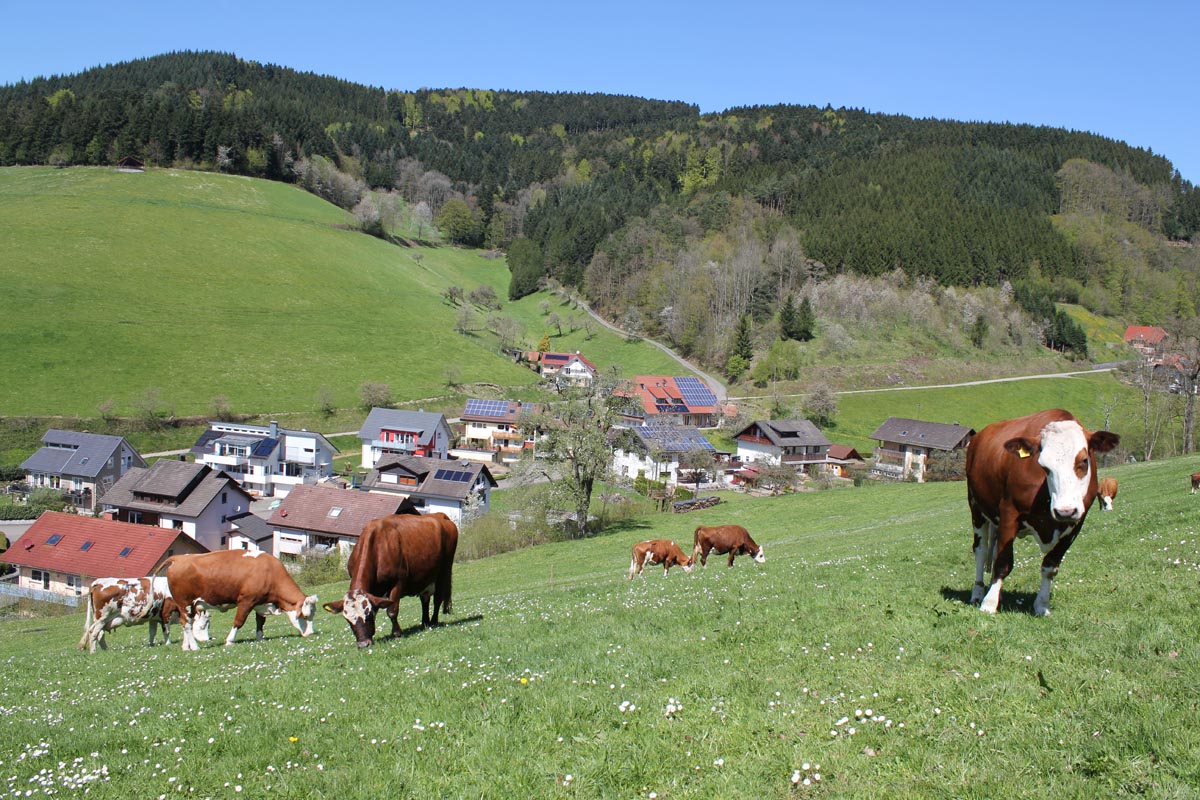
(1022, 452)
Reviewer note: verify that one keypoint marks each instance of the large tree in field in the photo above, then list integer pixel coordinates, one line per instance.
(577, 446)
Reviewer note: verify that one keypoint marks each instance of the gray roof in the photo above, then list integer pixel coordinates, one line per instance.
(424, 422)
(426, 471)
(789, 432)
(673, 438)
(253, 527)
(936, 435)
(74, 453)
(187, 487)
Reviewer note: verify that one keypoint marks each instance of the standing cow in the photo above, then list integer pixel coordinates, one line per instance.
(398, 556)
(658, 551)
(722, 539)
(1036, 474)
(113, 602)
(1195, 481)
(248, 580)
(1108, 492)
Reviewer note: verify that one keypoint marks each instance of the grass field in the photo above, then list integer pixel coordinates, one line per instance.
(186, 286)
(851, 653)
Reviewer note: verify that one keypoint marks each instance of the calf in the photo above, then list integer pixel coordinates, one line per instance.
(243, 579)
(722, 539)
(113, 602)
(1032, 475)
(658, 551)
(1195, 481)
(1108, 491)
(398, 556)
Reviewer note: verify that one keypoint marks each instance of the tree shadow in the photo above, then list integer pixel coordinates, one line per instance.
(1010, 601)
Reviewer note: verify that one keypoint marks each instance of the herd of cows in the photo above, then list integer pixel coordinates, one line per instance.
(1031, 476)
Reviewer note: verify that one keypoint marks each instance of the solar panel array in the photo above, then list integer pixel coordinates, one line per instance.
(452, 475)
(487, 408)
(695, 393)
(676, 439)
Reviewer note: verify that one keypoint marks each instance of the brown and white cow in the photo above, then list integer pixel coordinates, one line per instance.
(722, 539)
(658, 551)
(1195, 481)
(248, 580)
(1032, 475)
(398, 556)
(1108, 491)
(113, 602)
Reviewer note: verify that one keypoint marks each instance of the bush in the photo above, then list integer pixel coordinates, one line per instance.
(320, 568)
(493, 534)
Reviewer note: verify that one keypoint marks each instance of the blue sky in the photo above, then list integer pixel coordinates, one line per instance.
(1125, 70)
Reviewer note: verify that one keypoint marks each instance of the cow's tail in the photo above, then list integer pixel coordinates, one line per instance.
(87, 623)
(448, 603)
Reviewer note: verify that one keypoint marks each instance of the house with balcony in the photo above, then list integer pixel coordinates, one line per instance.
(388, 432)
(266, 460)
(82, 466)
(1149, 340)
(905, 446)
(659, 399)
(565, 369)
(63, 553)
(323, 518)
(193, 498)
(495, 426)
(797, 443)
(451, 486)
(660, 452)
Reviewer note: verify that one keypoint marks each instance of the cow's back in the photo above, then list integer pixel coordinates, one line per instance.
(402, 548)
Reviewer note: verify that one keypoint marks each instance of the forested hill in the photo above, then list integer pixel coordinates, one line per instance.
(638, 202)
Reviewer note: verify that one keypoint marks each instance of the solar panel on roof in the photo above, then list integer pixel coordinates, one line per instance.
(695, 393)
(487, 408)
(451, 475)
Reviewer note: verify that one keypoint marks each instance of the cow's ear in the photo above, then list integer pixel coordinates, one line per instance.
(1020, 447)
(1103, 441)
(335, 607)
(378, 602)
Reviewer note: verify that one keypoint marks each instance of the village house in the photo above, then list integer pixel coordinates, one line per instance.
(1149, 340)
(565, 369)
(454, 487)
(681, 401)
(387, 431)
(322, 517)
(63, 553)
(905, 446)
(796, 443)
(82, 466)
(662, 451)
(844, 460)
(494, 426)
(266, 460)
(193, 498)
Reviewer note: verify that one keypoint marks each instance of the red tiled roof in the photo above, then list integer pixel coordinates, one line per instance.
(843, 452)
(655, 390)
(1150, 334)
(148, 546)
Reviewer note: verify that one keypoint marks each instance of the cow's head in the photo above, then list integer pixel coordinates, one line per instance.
(1064, 451)
(359, 609)
(687, 562)
(759, 557)
(302, 617)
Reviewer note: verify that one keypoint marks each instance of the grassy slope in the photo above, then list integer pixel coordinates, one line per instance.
(200, 285)
(859, 606)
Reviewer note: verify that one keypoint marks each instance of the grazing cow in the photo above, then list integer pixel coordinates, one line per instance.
(248, 580)
(1195, 481)
(1108, 491)
(398, 556)
(658, 551)
(722, 539)
(1035, 474)
(113, 602)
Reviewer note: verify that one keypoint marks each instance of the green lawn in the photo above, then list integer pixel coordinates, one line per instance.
(851, 648)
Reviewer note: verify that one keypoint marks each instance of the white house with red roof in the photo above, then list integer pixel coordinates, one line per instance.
(495, 426)
(680, 400)
(570, 369)
(1149, 340)
(63, 553)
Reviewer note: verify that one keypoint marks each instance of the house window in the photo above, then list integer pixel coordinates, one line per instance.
(42, 577)
(135, 517)
(336, 511)
(125, 551)
(224, 498)
(75, 582)
(177, 524)
(85, 546)
(55, 539)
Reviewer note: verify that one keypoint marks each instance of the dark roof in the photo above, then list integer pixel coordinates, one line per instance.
(424, 423)
(253, 527)
(186, 488)
(74, 453)
(789, 432)
(342, 512)
(435, 477)
(673, 438)
(495, 410)
(147, 546)
(843, 452)
(257, 437)
(937, 435)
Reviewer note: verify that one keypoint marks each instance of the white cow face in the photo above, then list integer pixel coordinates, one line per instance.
(760, 557)
(359, 608)
(1065, 458)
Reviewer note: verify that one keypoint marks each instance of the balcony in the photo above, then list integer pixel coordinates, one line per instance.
(226, 461)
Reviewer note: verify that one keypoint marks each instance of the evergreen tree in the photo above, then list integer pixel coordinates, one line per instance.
(527, 268)
(806, 322)
(743, 339)
(787, 319)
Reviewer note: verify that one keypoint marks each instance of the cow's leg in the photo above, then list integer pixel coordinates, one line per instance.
(1050, 564)
(985, 536)
(633, 568)
(239, 619)
(259, 619)
(426, 620)
(188, 618)
(732, 553)
(100, 639)
(153, 626)
(1002, 560)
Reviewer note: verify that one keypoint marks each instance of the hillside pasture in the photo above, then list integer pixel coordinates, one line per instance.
(848, 665)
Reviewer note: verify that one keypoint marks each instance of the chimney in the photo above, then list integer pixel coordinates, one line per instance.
(274, 429)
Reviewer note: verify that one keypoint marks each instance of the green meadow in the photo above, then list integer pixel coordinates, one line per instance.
(849, 665)
(186, 286)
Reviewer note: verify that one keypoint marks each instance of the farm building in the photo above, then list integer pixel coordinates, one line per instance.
(905, 446)
(795, 442)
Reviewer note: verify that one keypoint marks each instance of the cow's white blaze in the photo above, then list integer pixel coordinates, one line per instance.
(760, 557)
(1061, 444)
